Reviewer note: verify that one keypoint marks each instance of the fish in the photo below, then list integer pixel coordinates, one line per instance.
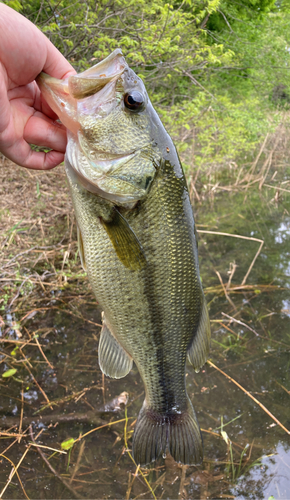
(138, 245)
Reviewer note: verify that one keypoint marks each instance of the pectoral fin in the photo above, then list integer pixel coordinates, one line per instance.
(81, 248)
(199, 349)
(113, 359)
(125, 242)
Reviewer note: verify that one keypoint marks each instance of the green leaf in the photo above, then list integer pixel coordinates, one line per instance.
(67, 444)
(9, 373)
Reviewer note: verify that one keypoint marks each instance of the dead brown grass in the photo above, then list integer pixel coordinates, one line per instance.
(38, 239)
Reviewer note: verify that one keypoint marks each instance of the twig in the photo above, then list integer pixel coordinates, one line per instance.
(182, 480)
(67, 485)
(77, 465)
(253, 262)
(48, 448)
(18, 342)
(242, 238)
(225, 291)
(250, 396)
(115, 405)
(108, 424)
(229, 329)
(21, 415)
(126, 445)
(252, 169)
(60, 310)
(11, 434)
(240, 323)
(39, 346)
(29, 250)
(41, 390)
(103, 388)
(277, 187)
(9, 446)
(14, 471)
(268, 162)
(288, 392)
(51, 419)
(233, 267)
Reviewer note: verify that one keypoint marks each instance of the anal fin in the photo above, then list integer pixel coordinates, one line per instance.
(113, 359)
(199, 349)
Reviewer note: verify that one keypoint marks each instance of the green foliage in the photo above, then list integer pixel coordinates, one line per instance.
(216, 70)
(9, 373)
(67, 444)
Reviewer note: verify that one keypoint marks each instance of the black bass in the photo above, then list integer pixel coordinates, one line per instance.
(138, 245)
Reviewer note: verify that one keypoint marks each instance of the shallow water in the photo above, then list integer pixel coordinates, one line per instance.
(255, 463)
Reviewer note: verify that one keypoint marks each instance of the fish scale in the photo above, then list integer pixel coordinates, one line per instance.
(137, 243)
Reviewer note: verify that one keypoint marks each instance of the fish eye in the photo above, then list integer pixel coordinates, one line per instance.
(134, 101)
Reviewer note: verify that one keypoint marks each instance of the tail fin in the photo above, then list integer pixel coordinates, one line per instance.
(177, 433)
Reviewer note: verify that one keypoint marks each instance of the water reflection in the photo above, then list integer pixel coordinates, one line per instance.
(269, 478)
(251, 344)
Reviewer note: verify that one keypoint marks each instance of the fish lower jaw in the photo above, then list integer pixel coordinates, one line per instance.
(117, 198)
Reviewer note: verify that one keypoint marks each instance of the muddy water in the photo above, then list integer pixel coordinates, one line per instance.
(250, 458)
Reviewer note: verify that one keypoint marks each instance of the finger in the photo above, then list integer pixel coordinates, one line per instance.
(46, 110)
(56, 65)
(42, 131)
(40, 104)
(43, 161)
(22, 154)
(4, 103)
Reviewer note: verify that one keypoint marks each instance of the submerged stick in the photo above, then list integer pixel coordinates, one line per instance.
(250, 396)
(66, 484)
(239, 236)
(240, 323)
(93, 416)
(14, 471)
(90, 417)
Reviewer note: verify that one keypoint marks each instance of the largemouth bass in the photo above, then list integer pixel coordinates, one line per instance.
(137, 242)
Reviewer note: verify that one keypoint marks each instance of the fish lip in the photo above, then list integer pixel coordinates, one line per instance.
(92, 80)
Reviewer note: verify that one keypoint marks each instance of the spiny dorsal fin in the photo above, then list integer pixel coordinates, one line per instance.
(113, 359)
(199, 349)
(125, 242)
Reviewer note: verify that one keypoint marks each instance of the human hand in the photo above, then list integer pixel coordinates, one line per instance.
(24, 117)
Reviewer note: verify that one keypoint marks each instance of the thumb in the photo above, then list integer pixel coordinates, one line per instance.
(5, 112)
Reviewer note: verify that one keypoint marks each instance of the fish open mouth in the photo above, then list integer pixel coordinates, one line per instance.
(102, 164)
(66, 96)
(94, 79)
